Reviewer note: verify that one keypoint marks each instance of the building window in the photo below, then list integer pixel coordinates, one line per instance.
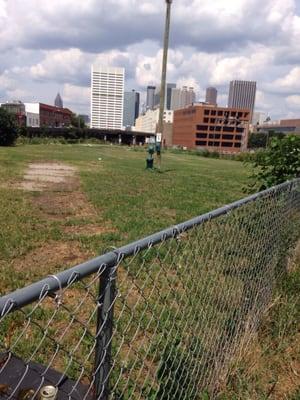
(201, 135)
(212, 120)
(202, 127)
(206, 112)
(227, 137)
(240, 114)
(233, 113)
(227, 144)
(220, 113)
(215, 144)
(238, 137)
(240, 130)
(228, 129)
(213, 112)
(237, 144)
(214, 136)
(206, 120)
(200, 143)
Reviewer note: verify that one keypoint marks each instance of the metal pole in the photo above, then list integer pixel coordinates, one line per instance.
(164, 69)
(104, 332)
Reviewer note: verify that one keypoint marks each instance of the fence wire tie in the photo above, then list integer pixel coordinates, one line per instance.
(73, 278)
(176, 233)
(7, 307)
(44, 292)
(59, 294)
(137, 249)
(101, 269)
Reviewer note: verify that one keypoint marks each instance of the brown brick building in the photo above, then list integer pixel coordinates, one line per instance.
(54, 116)
(209, 127)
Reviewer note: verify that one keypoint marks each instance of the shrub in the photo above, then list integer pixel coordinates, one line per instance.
(8, 128)
(278, 163)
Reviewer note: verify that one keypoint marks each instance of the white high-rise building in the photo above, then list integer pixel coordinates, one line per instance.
(148, 122)
(107, 97)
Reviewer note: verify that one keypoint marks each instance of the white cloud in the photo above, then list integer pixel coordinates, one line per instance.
(290, 83)
(72, 92)
(50, 45)
(293, 102)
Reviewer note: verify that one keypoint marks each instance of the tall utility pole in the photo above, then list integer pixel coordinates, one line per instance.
(164, 68)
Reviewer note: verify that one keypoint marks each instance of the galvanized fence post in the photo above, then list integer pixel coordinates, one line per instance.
(104, 332)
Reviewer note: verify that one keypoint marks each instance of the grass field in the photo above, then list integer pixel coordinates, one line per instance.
(128, 202)
(113, 200)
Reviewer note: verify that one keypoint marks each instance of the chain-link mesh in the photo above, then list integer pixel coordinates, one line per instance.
(164, 320)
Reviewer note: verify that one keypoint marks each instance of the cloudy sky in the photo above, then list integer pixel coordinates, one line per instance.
(49, 46)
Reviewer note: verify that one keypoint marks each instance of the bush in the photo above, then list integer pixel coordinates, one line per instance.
(8, 128)
(278, 163)
(257, 140)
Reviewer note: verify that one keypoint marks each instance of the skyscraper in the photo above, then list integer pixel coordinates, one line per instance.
(242, 94)
(150, 97)
(107, 97)
(168, 97)
(58, 101)
(211, 96)
(131, 108)
(181, 98)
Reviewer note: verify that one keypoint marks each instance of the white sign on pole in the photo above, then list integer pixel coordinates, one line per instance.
(158, 137)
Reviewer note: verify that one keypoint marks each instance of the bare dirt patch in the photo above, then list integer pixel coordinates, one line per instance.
(50, 256)
(65, 203)
(59, 199)
(39, 175)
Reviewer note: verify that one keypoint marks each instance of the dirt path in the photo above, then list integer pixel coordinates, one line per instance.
(59, 200)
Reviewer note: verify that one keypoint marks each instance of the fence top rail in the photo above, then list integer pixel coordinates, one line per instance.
(22, 297)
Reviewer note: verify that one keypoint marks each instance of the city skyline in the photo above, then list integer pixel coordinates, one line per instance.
(39, 60)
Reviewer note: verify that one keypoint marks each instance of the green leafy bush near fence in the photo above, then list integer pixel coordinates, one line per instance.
(278, 163)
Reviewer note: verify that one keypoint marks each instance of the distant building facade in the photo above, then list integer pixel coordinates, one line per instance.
(181, 98)
(211, 96)
(58, 101)
(107, 97)
(168, 96)
(40, 114)
(131, 108)
(242, 95)
(32, 114)
(150, 97)
(148, 122)
(286, 126)
(214, 128)
(16, 108)
(258, 118)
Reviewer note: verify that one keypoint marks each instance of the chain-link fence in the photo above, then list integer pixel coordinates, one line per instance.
(161, 318)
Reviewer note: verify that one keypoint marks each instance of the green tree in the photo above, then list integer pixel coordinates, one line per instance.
(278, 163)
(8, 128)
(257, 140)
(77, 121)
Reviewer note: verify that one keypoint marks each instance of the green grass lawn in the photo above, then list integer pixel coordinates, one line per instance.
(134, 201)
(38, 238)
